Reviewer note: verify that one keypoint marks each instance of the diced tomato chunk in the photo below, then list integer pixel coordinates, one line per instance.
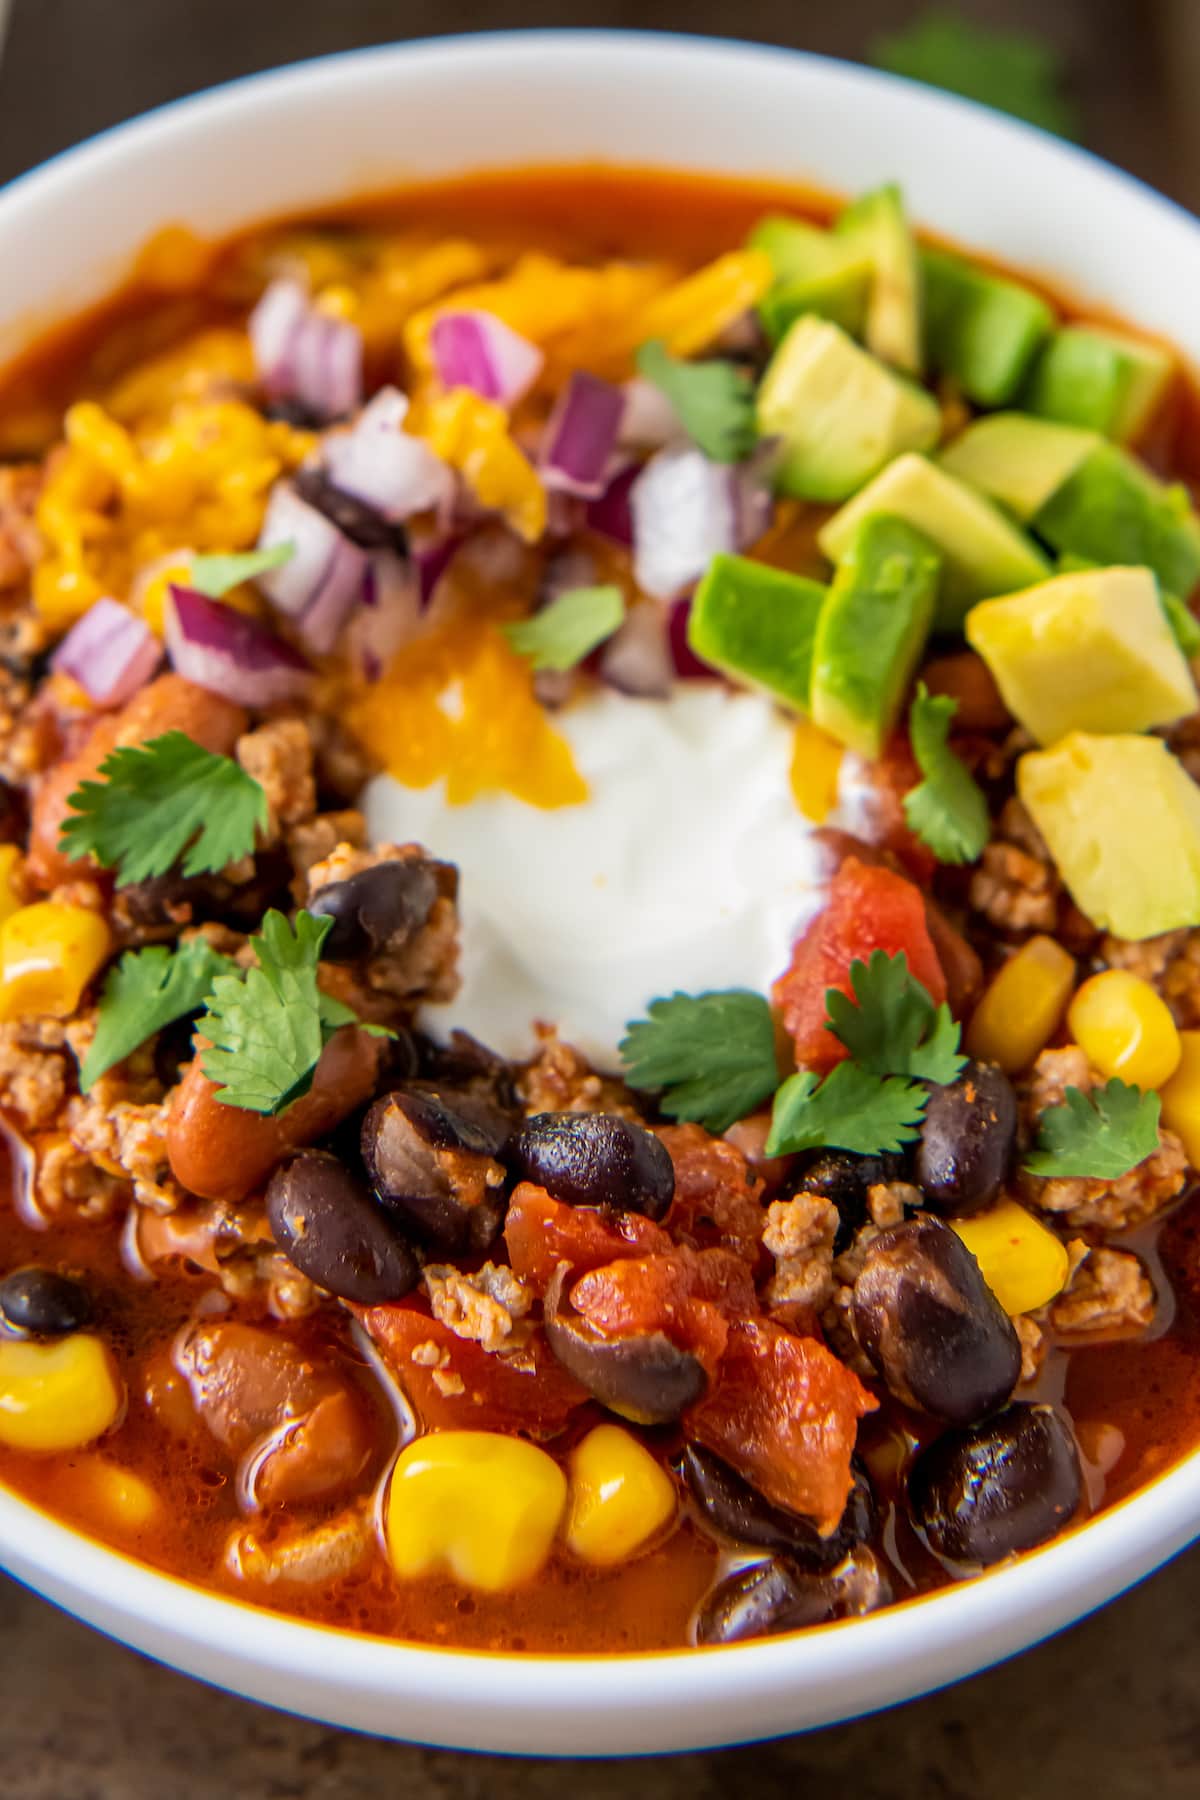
(784, 1412)
(869, 908)
(541, 1233)
(454, 1384)
(718, 1196)
(687, 1295)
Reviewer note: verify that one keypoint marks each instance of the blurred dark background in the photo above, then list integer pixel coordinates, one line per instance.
(1109, 1710)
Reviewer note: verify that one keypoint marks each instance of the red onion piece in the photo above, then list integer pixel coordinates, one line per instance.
(321, 582)
(648, 420)
(686, 509)
(387, 616)
(580, 436)
(430, 556)
(229, 654)
(301, 353)
(688, 666)
(380, 464)
(474, 349)
(637, 658)
(337, 594)
(110, 652)
(610, 515)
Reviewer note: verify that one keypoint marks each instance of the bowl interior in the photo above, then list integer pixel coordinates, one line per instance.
(372, 120)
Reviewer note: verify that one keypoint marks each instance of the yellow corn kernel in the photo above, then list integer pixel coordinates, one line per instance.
(1125, 1028)
(1181, 1097)
(111, 1497)
(48, 954)
(472, 436)
(1022, 1006)
(10, 881)
(482, 1505)
(816, 769)
(59, 1395)
(1022, 1261)
(620, 1497)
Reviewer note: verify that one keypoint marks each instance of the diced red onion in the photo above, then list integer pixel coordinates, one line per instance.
(610, 515)
(110, 652)
(581, 435)
(321, 581)
(430, 556)
(688, 666)
(685, 510)
(301, 353)
(380, 464)
(474, 349)
(387, 616)
(648, 420)
(337, 595)
(565, 514)
(230, 654)
(637, 658)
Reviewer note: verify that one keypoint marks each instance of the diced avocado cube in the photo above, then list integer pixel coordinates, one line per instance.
(1089, 651)
(982, 329)
(1113, 510)
(840, 415)
(872, 630)
(757, 624)
(1089, 375)
(1185, 627)
(983, 552)
(1121, 817)
(815, 272)
(877, 225)
(1018, 460)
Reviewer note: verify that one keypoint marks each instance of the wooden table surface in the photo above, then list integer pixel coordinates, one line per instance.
(1109, 1710)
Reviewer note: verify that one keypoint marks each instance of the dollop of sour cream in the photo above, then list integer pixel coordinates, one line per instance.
(688, 868)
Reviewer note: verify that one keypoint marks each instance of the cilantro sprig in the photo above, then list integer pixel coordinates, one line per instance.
(267, 1028)
(1016, 72)
(157, 802)
(570, 628)
(852, 1109)
(947, 810)
(712, 1054)
(714, 400)
(146, 991)
(215, 575)
(891, 1026)
(1101, 1135)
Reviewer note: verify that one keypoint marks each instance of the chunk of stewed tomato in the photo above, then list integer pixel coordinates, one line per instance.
(869, 908)
(541, 1233)
(784, 1412)
(687, 1295)
(718, 1196)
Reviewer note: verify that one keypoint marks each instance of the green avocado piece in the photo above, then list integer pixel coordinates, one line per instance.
(814, 273)
(983, 552)
(872, 630)
(1121, 817)
(1112, 510)
(757, 624)
(1185, 627)
(1018, 460)
(1107, 380)
(982, 329)
(839, 413)
(877, 225)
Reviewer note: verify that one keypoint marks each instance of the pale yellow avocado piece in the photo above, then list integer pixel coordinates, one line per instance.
(1089, 651)
(1121, 818)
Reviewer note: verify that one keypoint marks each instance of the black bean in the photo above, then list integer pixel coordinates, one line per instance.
(980, 1495)
(327, 1223)
(465, 1065)
(968, 1140)
(846, 1179)
(596, 1159)
(643, 1377)
(43, 1302)
(431, 1158)
(731, 1507)
(772, 1597)
(377, 909)
(931, 1325)
(14, 814)
(362, 524)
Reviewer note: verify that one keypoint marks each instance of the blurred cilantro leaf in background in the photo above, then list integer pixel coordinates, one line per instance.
(1015, 72)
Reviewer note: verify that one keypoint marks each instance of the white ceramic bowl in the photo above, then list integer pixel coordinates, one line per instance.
(327, 129)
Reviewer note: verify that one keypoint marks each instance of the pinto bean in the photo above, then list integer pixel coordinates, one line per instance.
(168, 704)
(225, 1152)
(966, 678)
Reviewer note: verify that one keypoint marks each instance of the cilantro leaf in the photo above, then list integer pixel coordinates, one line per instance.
(145, 991)
(895, 1028)
(569, 629)
(714, 400)
(1101, 1135)
(947, 810)
(152, 800)
(852, 1109)
(714, 1054)
(1016, 72)
(215, 575)
(268, 1027)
